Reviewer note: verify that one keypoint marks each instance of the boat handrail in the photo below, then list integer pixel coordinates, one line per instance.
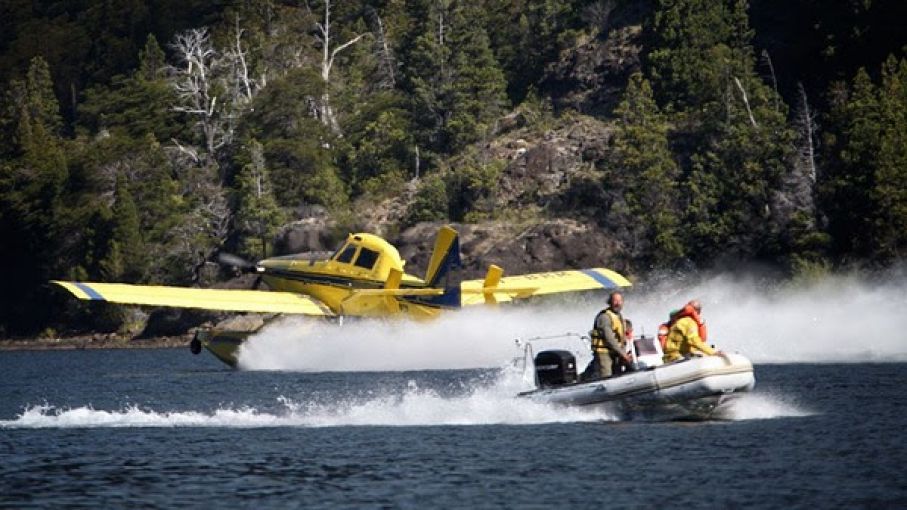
(526, 344)
(569, 334)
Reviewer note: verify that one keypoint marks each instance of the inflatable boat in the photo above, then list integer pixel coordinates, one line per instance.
(695, 388)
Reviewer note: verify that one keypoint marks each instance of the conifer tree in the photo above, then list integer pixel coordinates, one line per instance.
(137, 103)
(458, 87)
(152, 61)
(43, 107)
(702, 62)
(429, 79)
(32, 182)
(478, 94)
(381, 145)
(853, 143)
(643, 161)
(864, 193)
(127, 238)
(257, 214)
(889, 195)
(697, 47)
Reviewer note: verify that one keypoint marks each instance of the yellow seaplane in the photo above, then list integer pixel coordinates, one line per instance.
(363, 278)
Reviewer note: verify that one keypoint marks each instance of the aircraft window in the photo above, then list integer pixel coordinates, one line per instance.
(367, 258)
(347, 254)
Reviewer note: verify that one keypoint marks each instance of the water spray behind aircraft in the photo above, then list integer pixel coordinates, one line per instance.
(837, 319)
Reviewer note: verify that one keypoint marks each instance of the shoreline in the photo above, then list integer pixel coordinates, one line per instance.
(94, 342)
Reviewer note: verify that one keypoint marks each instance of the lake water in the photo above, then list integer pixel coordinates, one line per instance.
(162, 428)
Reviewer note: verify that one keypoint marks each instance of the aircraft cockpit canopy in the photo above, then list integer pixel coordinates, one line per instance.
(365, 258)
(345, 253)
(364, 251)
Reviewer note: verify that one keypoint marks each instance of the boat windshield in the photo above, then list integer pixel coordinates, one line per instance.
(646, 347)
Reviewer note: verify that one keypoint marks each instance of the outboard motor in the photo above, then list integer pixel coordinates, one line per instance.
(555, 368)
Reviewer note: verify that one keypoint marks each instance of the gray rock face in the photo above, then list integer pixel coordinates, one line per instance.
(547, 246)
(306, 235)
(591, 77)
(544, 172)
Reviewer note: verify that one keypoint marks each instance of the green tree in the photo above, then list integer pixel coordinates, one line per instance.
(32, 182)
(889, 195)
(257, 215)
(380, 155)
(702, 63)
(127, 240)
(430, 203)
(298, 148)
(429, 82)
(641, 155)
(152, 61)
(852, 139)
(138, 103)
(863, 192)
(42, 104)
(478, 92)
(697, 47)
(458, 88)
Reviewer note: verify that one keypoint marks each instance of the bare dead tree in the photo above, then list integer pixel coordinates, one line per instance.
(796, 197)
(746, 102)
(204, 230)
(771, 67)
(185, 154)
(194, 82)
(327, 63)
(384, 54)
(236, 56)
(202, 75)
(805, 122)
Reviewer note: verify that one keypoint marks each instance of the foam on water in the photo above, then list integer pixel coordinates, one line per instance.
(760, 406)
(838, 319)
(410, 406)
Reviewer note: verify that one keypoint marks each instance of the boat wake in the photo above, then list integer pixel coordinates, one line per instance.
(760, 406)
(410, 406)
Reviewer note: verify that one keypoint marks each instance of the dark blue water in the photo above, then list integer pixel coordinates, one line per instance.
(162, 428)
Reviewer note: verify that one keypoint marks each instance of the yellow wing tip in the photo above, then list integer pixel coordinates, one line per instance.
(617, 279)
(73, 289)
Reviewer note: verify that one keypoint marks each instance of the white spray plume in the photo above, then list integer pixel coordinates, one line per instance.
(836, 319)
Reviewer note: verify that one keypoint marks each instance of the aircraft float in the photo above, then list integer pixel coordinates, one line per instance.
(363, 278)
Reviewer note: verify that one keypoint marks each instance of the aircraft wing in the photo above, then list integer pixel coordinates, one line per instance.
(494, 289)
(261, 301)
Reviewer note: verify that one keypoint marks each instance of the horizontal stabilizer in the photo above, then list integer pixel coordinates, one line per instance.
(474, 292)
(259, 301)
(398, 292)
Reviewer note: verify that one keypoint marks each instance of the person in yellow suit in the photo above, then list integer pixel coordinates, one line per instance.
(685, 336)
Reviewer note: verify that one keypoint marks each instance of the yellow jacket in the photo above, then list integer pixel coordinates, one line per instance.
(608, 332)
(683, 339)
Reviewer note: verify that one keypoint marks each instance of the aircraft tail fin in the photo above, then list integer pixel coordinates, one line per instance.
(444, 268)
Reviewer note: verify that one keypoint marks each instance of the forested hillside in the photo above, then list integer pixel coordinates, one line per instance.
(140, 138)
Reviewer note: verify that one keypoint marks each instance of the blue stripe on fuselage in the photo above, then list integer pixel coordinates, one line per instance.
(600, 278)
(93, 294)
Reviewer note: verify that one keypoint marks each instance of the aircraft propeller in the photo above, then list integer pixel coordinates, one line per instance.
(235, 261)
(239, 263)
